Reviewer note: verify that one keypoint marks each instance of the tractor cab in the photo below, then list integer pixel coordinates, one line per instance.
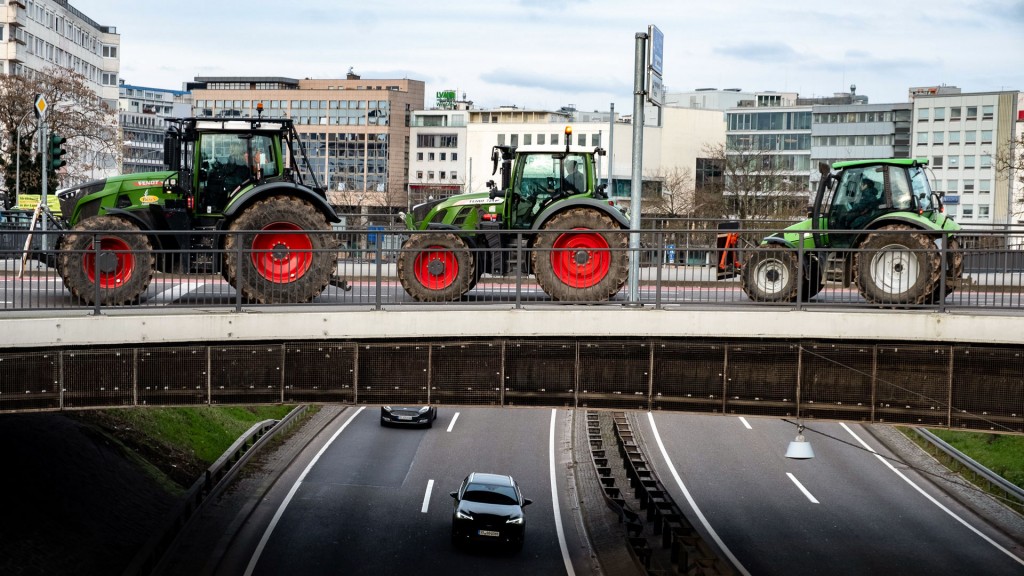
(543, 176)
(862, 192)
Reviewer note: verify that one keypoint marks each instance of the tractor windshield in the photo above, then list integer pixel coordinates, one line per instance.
(541, 177)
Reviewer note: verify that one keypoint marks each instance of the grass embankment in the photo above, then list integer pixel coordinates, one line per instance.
(1000, 453)
(181, 442)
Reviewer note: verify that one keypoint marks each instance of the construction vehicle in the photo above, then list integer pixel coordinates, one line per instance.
(239, 198)
(567, 226)
(878, 220)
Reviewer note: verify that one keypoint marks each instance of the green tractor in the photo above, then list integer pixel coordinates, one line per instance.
(249, 177)
(880, 221)
(570, 229)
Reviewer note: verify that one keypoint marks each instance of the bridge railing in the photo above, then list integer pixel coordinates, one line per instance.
(680, 263)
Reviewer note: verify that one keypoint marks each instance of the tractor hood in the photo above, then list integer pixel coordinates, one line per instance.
(930, 220)
(129, 189)
(454, 211)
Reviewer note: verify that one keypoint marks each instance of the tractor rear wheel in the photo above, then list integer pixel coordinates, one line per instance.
(436, 267)
(770, 275)
(122, 265)
(278, 252)
(581, 264)
(897, 268)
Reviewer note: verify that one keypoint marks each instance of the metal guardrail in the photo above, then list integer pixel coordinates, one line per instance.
(214, 479)
(678, 268)
(994, 480)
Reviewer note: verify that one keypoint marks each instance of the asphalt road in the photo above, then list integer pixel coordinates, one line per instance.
(375, 500)
(843, 512)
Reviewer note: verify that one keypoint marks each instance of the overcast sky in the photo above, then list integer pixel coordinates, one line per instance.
(551, 53)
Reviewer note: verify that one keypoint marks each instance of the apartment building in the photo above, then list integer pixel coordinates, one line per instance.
(962, 134)
(356, 131)
(36, 34)
(143, 113)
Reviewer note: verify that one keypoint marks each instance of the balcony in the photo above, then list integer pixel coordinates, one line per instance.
(14, 51)
(16, 15)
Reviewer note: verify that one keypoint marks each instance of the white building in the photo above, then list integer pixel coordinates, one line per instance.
(142, 114)
(36, 34)
(962, 135)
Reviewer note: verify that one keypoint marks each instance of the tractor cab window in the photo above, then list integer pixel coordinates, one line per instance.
(923, 197)
(229, 162)
(545, 176)
(858, 199)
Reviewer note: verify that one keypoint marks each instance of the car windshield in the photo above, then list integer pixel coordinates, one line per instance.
(490, 494)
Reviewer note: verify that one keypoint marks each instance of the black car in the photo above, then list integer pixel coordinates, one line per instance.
(489, 508)
(408, 415)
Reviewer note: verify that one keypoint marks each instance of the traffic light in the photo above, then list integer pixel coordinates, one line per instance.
(57, 150)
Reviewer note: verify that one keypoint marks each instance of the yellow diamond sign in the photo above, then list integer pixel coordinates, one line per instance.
(41, 106)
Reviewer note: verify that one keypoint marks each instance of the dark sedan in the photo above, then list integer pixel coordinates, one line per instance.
(408, 415)
(489, 508)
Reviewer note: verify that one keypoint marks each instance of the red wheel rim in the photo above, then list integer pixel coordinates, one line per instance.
(436, 268)
(580, 260)
(279, 256)
(124, 262)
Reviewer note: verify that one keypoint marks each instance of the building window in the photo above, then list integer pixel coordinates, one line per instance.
(109, 79)
(954, 113)
(969, 161)
(986, 136)
(986, 160)
(501, 139)
(455, 175)
(968, 212)
(554, 139)
(922, 114)
(109, 51)
(514, 140)
(968, 187)
(937, 161)
(443, 174)
(922, 137)
(988, 112)
(954, 137)
(430, 175)
(419, 156)
(527, 139)
(419, 174)
(455, 156)
(970, 137)
(985, 186)
(954, 162)
(972, 112)
(540, 139)
(983, 211)
(430, 156)
(940, 113)
(595, 140)
(951, 186)
(581, 139)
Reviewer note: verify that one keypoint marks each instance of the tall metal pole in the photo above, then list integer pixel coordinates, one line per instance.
(17, 170)
(639, 72)
(45, 168)
(611, 149)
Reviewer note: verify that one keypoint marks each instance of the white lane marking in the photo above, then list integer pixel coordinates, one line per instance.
(426, 497)
(745, 423)
(452, 425)
(172, 294)
(693, 504)
(802, 489)
(291, 493)
(554, 497)
(928, 496)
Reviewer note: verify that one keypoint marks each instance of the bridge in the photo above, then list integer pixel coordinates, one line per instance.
(692, 342)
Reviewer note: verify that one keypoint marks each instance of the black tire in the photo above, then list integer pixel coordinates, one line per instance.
(897, 269)
(126, 261)
(436, 267)
(814, 276)
(277, 265)
(770, 275)
(584, 265)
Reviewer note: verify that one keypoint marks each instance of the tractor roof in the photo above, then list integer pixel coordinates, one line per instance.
(553, 149)
(884, 161)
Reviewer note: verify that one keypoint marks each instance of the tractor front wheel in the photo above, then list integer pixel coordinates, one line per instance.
(121, 266)
(897, 267)
(278, 252)
(436, 267)
(579, 263)
(770, 275)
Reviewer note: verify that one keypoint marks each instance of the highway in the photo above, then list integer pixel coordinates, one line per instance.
(375, 500)
(843, 512)
(364, 499)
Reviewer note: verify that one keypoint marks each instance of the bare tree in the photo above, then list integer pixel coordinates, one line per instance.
(757, 185)
(1009, 164)
(75, 112)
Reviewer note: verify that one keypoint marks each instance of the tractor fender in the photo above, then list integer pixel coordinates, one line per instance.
(599, 205)
(887, 219)
(777, 241)
(470, 236)
(144, 220)
(266, 190)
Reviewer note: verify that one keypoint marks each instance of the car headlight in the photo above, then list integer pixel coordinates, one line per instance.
(387, 408)
(425, 409)
(515, 520)
(462, 515)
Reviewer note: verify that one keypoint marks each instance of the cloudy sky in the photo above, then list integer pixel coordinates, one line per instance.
(551, 53)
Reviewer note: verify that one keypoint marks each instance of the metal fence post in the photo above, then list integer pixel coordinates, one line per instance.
(241, 273)
(378, 295)
(519, 270)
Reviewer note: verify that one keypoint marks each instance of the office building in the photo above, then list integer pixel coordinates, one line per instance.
(142, 113)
